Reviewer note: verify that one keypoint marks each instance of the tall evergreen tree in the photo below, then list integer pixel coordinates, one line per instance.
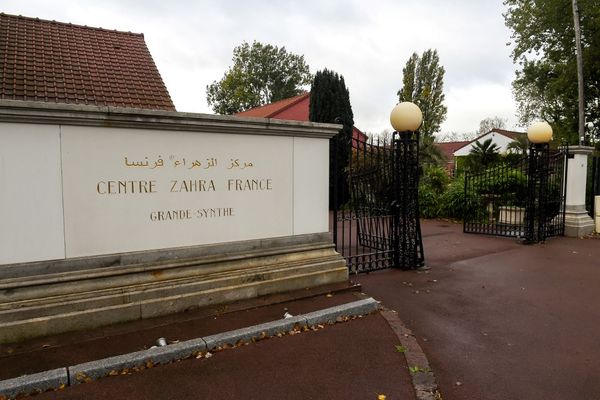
(423, 84)
(330, 102)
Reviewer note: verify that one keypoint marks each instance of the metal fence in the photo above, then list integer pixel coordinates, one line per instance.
(523, 199)
(374, 217)
(361, 219)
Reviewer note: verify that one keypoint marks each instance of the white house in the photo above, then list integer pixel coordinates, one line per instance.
(499, 136)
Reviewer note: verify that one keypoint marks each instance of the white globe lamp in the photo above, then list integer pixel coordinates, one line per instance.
(539, 133)
(406, 117)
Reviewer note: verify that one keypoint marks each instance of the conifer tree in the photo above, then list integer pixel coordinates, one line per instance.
(423, 84)
(330, 103)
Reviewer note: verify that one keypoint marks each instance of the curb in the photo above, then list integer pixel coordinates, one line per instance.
(34, 383)
(93, 370)
(422, 377)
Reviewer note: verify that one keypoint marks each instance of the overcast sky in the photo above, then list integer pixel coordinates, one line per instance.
(368, 42)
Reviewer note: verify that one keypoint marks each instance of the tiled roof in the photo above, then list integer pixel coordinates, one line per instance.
(64, 63)
(292, 109)
(510, 134)
(272, 109)
(448, 148)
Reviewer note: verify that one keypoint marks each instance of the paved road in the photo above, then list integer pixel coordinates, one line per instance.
(351, 360)
(505, 320)
(354, 359)
(498, 321)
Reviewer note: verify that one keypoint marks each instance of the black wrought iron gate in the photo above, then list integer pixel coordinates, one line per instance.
(524, 199)
(368, 225)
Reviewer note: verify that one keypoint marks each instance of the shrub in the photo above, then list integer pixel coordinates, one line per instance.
(452, 201)
(428, 202)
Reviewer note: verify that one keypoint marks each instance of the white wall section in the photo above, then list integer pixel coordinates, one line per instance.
(31, 219)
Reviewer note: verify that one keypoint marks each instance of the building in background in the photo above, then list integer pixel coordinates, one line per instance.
(292, 109)
(56, 62)
(454, 150)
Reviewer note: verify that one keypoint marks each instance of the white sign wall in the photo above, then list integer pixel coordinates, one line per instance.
(121, 190)
(31, 218)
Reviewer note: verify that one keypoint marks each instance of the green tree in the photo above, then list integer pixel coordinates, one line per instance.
(261, 74)
(423, 84)
(483, 155)
(430, 153)
(519, 145)
(489, 123)
(330, 102)
(544, 47)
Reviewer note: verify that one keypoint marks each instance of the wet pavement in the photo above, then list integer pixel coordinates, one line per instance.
(496, 319)
(501, 320)
(352, 359)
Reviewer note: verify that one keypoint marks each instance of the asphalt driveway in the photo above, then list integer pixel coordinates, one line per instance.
(501, 320)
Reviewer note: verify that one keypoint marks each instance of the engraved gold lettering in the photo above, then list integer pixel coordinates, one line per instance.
(171, 215)
(249, 184)
(191, 185)
(126, 187)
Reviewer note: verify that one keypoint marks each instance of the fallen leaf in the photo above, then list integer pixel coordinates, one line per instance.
(329, 295)
(208, 355)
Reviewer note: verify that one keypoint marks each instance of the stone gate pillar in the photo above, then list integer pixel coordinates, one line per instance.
(577, 221)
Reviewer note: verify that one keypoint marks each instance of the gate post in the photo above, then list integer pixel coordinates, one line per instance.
(406, 118)
(537, 182)
(577, 221)
(539, 135)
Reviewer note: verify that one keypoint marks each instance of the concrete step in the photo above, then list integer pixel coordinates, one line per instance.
(82, 298)
(50, 305)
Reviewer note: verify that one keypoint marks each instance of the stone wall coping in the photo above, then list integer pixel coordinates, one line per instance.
(585, 150)
(118, 117)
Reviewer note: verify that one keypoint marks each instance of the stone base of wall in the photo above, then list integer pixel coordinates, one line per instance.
(577, 222)
(40, 299)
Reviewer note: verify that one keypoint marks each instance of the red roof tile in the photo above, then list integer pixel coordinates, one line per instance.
(510, 134)
(64, 63)
(448, 148)
(291, 109)
(273, 109)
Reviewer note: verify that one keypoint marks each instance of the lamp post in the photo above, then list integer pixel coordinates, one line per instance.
(406, 118)
(539, 135)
